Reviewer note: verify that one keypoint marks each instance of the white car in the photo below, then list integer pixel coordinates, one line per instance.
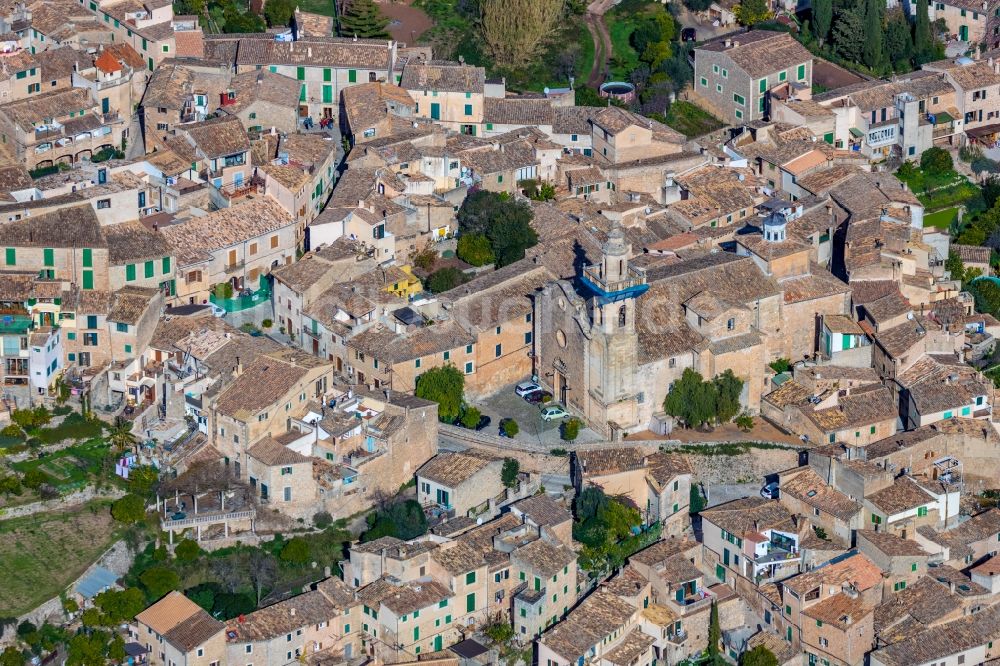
(553, 412)
(524, 388)
(217, 311)
(770, 491)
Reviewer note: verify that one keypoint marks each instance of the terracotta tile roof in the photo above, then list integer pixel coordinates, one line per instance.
(542, 510)
(289, 615)
(970, 254)
(218, 137)
(190, 43)
(750, 514)
(194, 239)
(937, 382)
(272, 453)
(634, 645)
(168, 612)
(898, 340)
(842, 324)
(866, 291)
(264, 86)
(855, 569)
(777, 645)
(597, 616)
(515, 111)
(544, 557)
(924, 602)
(443, 76)
(985, 525)
(265, 381)
(760, 52)
(71, 227)
(943, 641)
(496, 297)
(130, 303)
(862, 407)
(457, 557)
(193, 631)
(405, 598)
(892, 545)
(132, 242)
(809, 488)
(610, 461)
(663, 467)
(840, 610)
(903, 495)
(819, 283)
(386, 345)
(368, 54)
(451, 469)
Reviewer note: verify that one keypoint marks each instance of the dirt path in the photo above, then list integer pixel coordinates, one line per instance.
(602, 41)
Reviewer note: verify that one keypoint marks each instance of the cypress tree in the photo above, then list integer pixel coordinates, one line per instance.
(822, 18)
(923, 38)
(362, 18)
(873, 51)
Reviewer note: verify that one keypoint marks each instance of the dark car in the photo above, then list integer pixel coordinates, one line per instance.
(537, 397)
(484, 422)
(689, 35)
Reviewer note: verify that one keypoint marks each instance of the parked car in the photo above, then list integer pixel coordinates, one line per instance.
(484, 422)
(524, 388)
(689, 35)
(217, 311)
(538, 397)
(770, 491)
(553, 412)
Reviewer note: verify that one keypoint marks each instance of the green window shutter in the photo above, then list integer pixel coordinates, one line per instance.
(416, 633)
(302, 93)
(468, 109)
(70, 335)
(327, 74)
(10, 256)
(49, 256)
(300, 73)
(128, 349)
(801, 73)
(129, 272)
(470, 578)
(352, 76)
(274, 69)
(144, 44)
(149, 270)
(328, 94)
(782, 76)
(166, 265)
(470, 602)
(88, 258)
(88, 279)
(763, 85)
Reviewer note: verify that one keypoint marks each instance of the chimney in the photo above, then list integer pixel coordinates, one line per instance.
(309, 53)
(291, 611)
(728, 42)
(238, 370)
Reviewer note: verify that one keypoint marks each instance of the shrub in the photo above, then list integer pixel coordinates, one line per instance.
(322, 520)
(296, 551)
(558, 452)
(129, 509)
(570, 429)
(425, 260)
(35, 478)
(267, 323)
(781, 365)
(475, 249)
(508, 475)
(510, 427)
(12, 431)
(443, 385)
(470, 417)
(187, 550)
(223, 290)
(744, 422)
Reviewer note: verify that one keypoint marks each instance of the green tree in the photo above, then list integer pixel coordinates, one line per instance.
(475, 249)
(714, 635)
(116, 650)
(158, 581)
(727, 390)
(590, 503)
(508, 473)
(505, 222)
(510, 428)
(444, 279)
(470, 417)
(923, 37)
(991, 190)
(898, 41)
(11, 656)
(120, 605)
(443, 385)
(187, 550)
(569, 430)
(752, 12)
(120, 435)
(987, 296)
(848, 35)
(822, 18)
(296, 551)
(279, 12)
(10, 485)
(873, 46)
(142, 480)
(691, 399)
(410, 519)
(759, 656)
(362, 18)
(936, 161)
(87, 649)
(510, 237)
(129, 509)
(744, 422)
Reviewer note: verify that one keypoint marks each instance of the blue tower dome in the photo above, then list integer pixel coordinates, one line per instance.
(774, 227)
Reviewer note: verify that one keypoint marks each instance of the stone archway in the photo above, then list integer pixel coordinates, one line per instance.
(83, 155)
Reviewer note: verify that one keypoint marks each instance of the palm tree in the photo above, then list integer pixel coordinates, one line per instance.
(121, 435)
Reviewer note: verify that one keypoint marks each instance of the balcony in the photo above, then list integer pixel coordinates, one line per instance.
(15, 324)
(633, 284)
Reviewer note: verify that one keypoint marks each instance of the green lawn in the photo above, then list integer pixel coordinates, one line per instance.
(690, 120)
(45, 552)
(72, 467)
(624, 58)
(941, 219)
(324, 7)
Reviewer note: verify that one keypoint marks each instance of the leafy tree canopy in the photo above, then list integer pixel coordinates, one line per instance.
(129, 509)
(759, 656)
(363, 18)
(445, 386)
(508, 474)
